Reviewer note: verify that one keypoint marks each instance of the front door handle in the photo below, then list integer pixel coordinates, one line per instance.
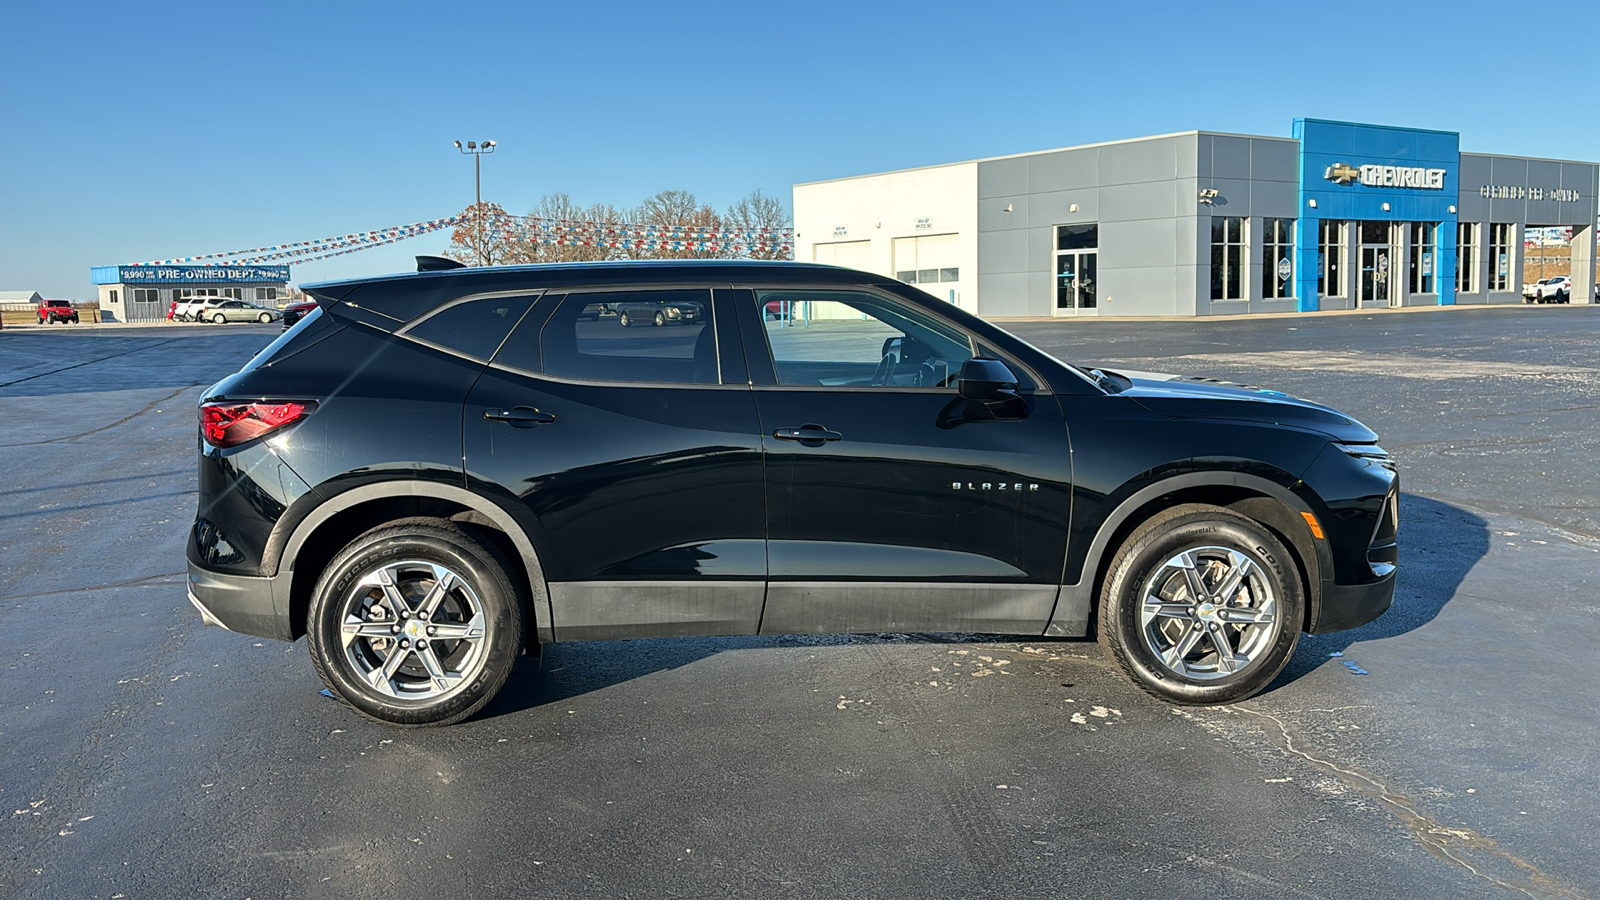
(807, 434)
(520, 417)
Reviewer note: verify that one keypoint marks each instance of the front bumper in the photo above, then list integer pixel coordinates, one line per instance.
(247, 604)
(1346, 606)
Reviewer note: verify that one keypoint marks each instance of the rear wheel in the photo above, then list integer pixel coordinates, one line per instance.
(219, 318)
(1201, 605)
(415, 624)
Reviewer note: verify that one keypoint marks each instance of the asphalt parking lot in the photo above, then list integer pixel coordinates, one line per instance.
(1447, 749)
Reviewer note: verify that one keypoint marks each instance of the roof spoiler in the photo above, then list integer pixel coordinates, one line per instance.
(437, 264)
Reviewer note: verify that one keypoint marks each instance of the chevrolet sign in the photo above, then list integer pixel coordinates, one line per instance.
(1387, 176)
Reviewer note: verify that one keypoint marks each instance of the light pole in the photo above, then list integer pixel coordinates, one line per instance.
(477, 150)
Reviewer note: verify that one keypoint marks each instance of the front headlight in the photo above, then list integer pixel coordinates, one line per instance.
(673, 313)
(1368, 452)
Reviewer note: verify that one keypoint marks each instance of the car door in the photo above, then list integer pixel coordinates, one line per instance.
(893, 504)
(635, 456)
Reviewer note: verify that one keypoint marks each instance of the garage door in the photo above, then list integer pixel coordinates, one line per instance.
(850, 254)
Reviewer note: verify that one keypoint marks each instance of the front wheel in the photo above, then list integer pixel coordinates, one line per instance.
(1201, 605)
(661, 319)
(415, 624)
(264, 318)
(622, 319)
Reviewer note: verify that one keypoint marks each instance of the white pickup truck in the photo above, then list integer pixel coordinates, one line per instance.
(1548, 290)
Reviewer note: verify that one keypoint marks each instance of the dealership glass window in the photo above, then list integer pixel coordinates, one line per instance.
(1467, 258)
(1421, 238)
(114, 297)
(145, 295)
(233, 293)
(1500, 255)
(1330, 258)
(1227, 258)
(1077, 266)
(270, 294)
(1277, 258)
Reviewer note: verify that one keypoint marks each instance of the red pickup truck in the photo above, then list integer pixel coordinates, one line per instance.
(53, 311)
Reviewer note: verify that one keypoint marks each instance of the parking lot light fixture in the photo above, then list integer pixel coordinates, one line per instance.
(477, 152)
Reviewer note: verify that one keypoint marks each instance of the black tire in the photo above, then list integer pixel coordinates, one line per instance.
(1130, 630)
(661, 319)
(622, 319)
(219, 319)
(264, 318)
(41, 320)
(484, 595)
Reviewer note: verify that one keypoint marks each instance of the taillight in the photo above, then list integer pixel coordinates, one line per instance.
(231, 424)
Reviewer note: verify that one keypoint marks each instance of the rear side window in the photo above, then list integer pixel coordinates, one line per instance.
(658, 337)
(475, 328)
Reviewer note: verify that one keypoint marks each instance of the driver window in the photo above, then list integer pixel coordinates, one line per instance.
(851, 339)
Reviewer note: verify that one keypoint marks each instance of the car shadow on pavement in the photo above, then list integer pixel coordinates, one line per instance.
(1439, 545)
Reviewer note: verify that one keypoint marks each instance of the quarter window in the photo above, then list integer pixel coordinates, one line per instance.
(1467, 258)
(847, 339)
(1227, 258)
(1277, 258)
(661, 337)
(474, 328)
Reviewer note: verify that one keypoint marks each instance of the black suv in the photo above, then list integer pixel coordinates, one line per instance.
(431, 473)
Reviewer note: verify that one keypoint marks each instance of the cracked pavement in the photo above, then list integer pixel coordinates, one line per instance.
(148, 756)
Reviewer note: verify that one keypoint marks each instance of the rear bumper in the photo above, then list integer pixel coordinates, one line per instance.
(1346, 606)
(247, 604)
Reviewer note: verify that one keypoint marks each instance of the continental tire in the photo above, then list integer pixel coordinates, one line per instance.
(1201, 606)
(415, 623)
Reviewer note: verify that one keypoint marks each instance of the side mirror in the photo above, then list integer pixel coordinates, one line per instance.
(986, 380)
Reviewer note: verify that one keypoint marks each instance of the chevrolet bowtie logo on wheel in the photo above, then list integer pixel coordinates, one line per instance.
(1342, 173)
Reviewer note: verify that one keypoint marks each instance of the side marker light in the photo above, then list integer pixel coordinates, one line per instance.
(1316, 529)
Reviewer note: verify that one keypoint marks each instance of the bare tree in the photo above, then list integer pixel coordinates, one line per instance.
(679, 210)
(558, 230)
(487, 231)
(766, 218)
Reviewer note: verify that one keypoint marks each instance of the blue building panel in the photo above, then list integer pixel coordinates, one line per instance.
(1351, 172)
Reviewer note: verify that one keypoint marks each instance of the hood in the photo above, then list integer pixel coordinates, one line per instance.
(1195, 397)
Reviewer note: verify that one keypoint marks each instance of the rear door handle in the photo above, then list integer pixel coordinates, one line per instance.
(807, 434)
(520, 417)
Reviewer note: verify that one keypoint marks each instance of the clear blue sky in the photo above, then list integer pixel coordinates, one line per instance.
(143, 131)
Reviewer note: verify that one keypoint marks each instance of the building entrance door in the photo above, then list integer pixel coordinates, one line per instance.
(1377, 264)
(1076, 275)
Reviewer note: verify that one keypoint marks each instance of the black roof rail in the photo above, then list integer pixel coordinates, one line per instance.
(437, 264)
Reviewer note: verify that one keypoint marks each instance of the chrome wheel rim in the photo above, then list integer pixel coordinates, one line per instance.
(414, 630)
(1209, 613)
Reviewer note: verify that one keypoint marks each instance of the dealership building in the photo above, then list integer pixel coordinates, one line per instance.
(145, 293)
(1339, 216)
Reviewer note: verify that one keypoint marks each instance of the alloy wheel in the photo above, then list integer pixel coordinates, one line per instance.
(414, 630)
(1208, 613)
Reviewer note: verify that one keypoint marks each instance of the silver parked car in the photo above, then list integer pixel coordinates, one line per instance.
(239, 311)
